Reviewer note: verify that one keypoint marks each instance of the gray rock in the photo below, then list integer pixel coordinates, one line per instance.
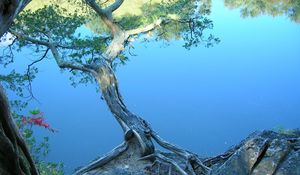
(263, 153)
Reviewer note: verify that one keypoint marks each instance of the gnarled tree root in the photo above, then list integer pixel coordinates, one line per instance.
(128, 155)
(14, 154)
(104, 159)
(193, 164)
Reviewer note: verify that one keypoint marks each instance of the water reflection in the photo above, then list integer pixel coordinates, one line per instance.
(290, 8)
(248, 82)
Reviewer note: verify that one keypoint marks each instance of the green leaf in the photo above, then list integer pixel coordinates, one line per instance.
(35, 112)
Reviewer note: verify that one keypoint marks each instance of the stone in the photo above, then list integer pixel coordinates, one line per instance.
(263, 153)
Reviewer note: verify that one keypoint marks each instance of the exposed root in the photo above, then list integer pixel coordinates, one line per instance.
(176, 162)
(161, 157)
(104, 159)
(193, 164)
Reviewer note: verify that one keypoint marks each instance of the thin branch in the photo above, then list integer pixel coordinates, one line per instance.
(28, 72)
(129, 51)
(147, 28)
(9, 55)
(59, 60)
(115, 5)
(104, 2)
(68, 46)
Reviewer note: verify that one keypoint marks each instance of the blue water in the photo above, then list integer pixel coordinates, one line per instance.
(204, 100)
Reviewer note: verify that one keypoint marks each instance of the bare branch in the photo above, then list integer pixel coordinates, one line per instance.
(115, 5)
(28, 73)
(147, 28)
(7, 55)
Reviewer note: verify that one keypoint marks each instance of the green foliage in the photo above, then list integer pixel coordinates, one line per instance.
(191, 25)
(43, 23)
(49, 168)
(281, 129)
(39, 148)
(35, 112)
(15, 81)
(188, 25)
(18, 83)
(255, 8)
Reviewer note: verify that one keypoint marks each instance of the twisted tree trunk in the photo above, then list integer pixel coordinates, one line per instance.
(132, 125)
(15, 158)
(9, 9)
(138, 136)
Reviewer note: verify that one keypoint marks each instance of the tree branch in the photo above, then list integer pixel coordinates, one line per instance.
(115, 5)
(69, 64)
(30, 39)
(147, 28)
(95, 7)
(28, 72)
(59, 60)
(106, 15)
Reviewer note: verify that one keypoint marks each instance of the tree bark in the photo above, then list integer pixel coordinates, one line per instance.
(132, 125)
(138, 135)
(15, 158)
(9, 9)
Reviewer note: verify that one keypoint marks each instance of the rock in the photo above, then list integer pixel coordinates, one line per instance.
(263, 153)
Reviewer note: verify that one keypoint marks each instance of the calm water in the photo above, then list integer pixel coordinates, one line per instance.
(204, 100)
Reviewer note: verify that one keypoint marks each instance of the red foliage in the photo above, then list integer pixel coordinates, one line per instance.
(37, 120)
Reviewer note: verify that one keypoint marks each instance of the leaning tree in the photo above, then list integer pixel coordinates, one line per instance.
(94, 58)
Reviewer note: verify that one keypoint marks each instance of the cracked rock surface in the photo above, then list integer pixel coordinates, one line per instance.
(263, 153)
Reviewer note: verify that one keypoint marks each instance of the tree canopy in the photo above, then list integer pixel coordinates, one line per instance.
(253, 8)
(36, 27)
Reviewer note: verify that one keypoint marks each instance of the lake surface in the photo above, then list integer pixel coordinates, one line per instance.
(203, 99)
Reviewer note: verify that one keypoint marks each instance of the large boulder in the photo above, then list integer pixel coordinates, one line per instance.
(262, 153)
